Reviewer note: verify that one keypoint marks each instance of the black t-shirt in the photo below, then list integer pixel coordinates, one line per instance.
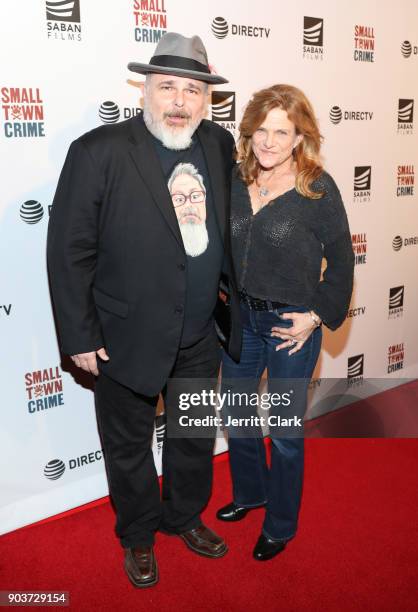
(190, 188)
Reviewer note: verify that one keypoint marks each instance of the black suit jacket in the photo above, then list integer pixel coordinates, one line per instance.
(115, 254)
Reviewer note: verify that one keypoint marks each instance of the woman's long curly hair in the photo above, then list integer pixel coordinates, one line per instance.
(300, 112)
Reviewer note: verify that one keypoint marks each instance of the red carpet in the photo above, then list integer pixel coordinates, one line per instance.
(357, 547)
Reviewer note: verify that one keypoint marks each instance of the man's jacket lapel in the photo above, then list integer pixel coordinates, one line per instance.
(216, 170)
(148, 165)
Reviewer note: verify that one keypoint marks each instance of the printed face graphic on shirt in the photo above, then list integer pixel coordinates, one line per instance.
(188, 194)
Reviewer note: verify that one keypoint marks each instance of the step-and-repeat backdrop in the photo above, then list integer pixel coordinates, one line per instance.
(64, 72)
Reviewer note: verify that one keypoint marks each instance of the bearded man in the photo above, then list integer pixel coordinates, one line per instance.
(135, 289)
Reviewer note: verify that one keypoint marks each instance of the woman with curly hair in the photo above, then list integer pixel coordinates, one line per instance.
(287, 215)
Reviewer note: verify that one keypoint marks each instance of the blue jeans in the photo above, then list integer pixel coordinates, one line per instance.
(254, 483)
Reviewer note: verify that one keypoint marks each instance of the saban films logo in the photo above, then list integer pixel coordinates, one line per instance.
(355, 370)
(406, 180)
(362, 183)
(313, 38)
(405, 116)
(223, 109)
(150, 20)
(63, 19)
(396, 356)
(396, 297)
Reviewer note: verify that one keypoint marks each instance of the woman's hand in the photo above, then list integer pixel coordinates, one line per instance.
(295, 336)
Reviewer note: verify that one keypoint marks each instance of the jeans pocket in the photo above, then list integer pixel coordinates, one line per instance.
(280, 321)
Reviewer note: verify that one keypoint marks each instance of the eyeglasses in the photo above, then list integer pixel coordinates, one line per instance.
(195, 197)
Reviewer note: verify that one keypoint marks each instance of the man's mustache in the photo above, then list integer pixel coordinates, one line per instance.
(190, 211)
(180, 114)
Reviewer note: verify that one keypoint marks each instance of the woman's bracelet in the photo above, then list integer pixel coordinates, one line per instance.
(317, 320)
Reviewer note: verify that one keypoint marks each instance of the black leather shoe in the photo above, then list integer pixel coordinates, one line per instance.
(232, 512)
(141, 566)
(266, 549)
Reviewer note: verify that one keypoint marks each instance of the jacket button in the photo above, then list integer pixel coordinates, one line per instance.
(178, 309)
(182, 266)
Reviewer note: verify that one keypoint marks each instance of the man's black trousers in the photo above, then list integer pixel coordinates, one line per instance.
(126, 424)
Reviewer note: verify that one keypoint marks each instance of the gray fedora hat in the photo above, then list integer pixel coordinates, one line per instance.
(175, 54)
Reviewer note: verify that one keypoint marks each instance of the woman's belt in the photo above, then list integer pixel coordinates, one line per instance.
(258, 304)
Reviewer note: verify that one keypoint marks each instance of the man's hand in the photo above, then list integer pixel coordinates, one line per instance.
(88, 361)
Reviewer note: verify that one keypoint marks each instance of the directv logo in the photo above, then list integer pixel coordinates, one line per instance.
(55, 468)
(362, 183)
(336, 115)
(109, 112)
(313, 38)
(396, 297)
(398, 242)
(220, 29)
(355, 370)
(31, 212)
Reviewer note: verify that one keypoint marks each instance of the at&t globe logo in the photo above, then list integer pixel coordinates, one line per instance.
(406, 48)
(109, 112)
(54, 469)
(31, 212)
(335, 114)
(397, 243)
(220, 27)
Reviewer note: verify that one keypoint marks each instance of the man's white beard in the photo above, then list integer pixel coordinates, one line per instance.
(195, 238)
(176, 139)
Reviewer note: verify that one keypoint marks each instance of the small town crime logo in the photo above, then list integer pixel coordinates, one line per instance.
(359, 242)
(44, 389)
(396, 356)
(405, 180)
(22, 112)
(363, 43)
(150, 20)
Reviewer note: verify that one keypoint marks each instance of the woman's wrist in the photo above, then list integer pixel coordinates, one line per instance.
(317, 321)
